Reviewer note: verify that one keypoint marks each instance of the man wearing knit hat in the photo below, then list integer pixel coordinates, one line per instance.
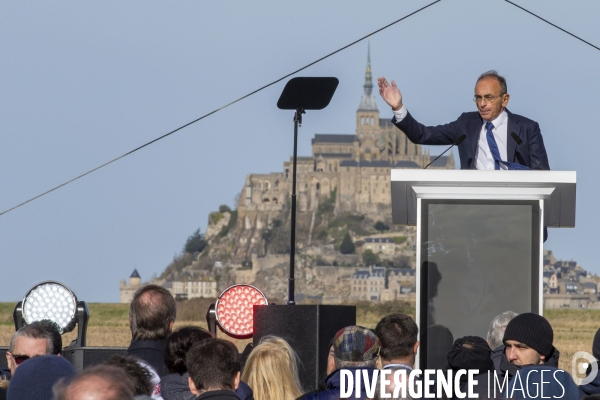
(354, 348)
(528, 339)
(34, 379)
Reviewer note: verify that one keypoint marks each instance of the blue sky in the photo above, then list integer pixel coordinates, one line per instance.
(82, 83)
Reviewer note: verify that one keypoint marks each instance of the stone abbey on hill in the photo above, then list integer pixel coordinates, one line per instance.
(356, 167)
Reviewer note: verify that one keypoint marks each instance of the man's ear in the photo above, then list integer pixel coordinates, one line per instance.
(171, 327)
(192, 386)
(416, 347)
(236, 380)
(9, 362)
(542, 359)
(330, 364)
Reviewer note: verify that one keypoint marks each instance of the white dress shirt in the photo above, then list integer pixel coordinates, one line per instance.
(483, 159)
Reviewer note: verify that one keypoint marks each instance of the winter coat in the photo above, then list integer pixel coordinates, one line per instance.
(175, 387)
(333, 384)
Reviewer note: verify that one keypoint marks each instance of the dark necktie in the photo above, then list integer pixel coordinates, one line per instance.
(493, 145)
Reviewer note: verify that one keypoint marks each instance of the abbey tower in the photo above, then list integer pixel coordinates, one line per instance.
(353, 167)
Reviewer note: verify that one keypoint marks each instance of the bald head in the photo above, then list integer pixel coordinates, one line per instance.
(100, 382)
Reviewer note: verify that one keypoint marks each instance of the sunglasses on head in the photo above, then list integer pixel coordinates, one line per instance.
(19, 359)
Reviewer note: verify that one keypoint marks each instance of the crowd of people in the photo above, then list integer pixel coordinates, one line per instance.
(189, 363)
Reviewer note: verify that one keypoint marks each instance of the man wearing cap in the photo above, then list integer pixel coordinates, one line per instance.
(528, 341)
(354, 348)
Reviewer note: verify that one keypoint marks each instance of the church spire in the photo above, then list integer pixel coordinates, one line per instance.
(368, 76)
(367, 101)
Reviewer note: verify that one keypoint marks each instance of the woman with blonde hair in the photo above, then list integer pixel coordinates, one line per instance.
(272, 370)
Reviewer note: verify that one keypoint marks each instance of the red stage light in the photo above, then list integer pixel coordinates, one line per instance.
(234, 310)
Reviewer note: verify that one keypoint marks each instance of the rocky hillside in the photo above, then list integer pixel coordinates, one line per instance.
(259, 255)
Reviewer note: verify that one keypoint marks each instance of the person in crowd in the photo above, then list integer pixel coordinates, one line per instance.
(473, 352)
(541, 381)
(593, 387)
(272, 370)
(28, 342)
(54, 330)
(330, 367)
(354, 348)
(528, 341)
(496, 334)
(35, 378)
(399, 344)
(152, 313)
(214, 368)
(174, 386)
(139, 374)
(100, 382)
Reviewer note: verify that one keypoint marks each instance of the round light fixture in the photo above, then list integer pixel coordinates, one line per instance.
(51, 300)
(234, 311)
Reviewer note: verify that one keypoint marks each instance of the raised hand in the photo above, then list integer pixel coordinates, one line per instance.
(390, 93)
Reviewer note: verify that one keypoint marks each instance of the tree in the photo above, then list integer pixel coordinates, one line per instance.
(402, 261)
(224, 208)
(195, 243)
(347, 246)
(370, 258)
(380, 226)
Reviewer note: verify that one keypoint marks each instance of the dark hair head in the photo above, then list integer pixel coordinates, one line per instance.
(54, 331)
(33, 332)
(494, 74)
(179, 343)
(151, 312)
(96, 380)
(213, 364)
(139, 375)
(398, 335)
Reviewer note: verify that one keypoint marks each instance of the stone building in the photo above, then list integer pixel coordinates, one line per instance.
(189, 286)
(355, 167)
(401, 279)
(368, 283)
(379, 245)
(127, 290)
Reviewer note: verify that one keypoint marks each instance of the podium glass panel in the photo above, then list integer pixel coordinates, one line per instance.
(478, 258)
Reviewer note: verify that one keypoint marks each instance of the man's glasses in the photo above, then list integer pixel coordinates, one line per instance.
(488, 98)
(19, 359)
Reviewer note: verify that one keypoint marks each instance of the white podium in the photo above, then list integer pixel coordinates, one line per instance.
(479, 245)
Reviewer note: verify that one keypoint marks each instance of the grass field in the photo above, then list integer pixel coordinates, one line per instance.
(108, 325)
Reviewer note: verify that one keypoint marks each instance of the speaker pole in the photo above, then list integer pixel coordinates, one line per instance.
(291, 281)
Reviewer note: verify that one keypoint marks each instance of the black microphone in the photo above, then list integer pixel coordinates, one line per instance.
(456, 142)
(520, 143)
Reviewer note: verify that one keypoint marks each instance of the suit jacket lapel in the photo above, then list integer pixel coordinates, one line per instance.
(511, 145)
(473, 131)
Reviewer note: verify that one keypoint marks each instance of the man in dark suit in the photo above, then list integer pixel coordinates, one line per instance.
(489, 143)
(152, 313)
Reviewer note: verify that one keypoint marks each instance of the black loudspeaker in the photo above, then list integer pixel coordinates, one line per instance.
(3, 362)
(308, 329)
(80, 357)
(83, 357)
